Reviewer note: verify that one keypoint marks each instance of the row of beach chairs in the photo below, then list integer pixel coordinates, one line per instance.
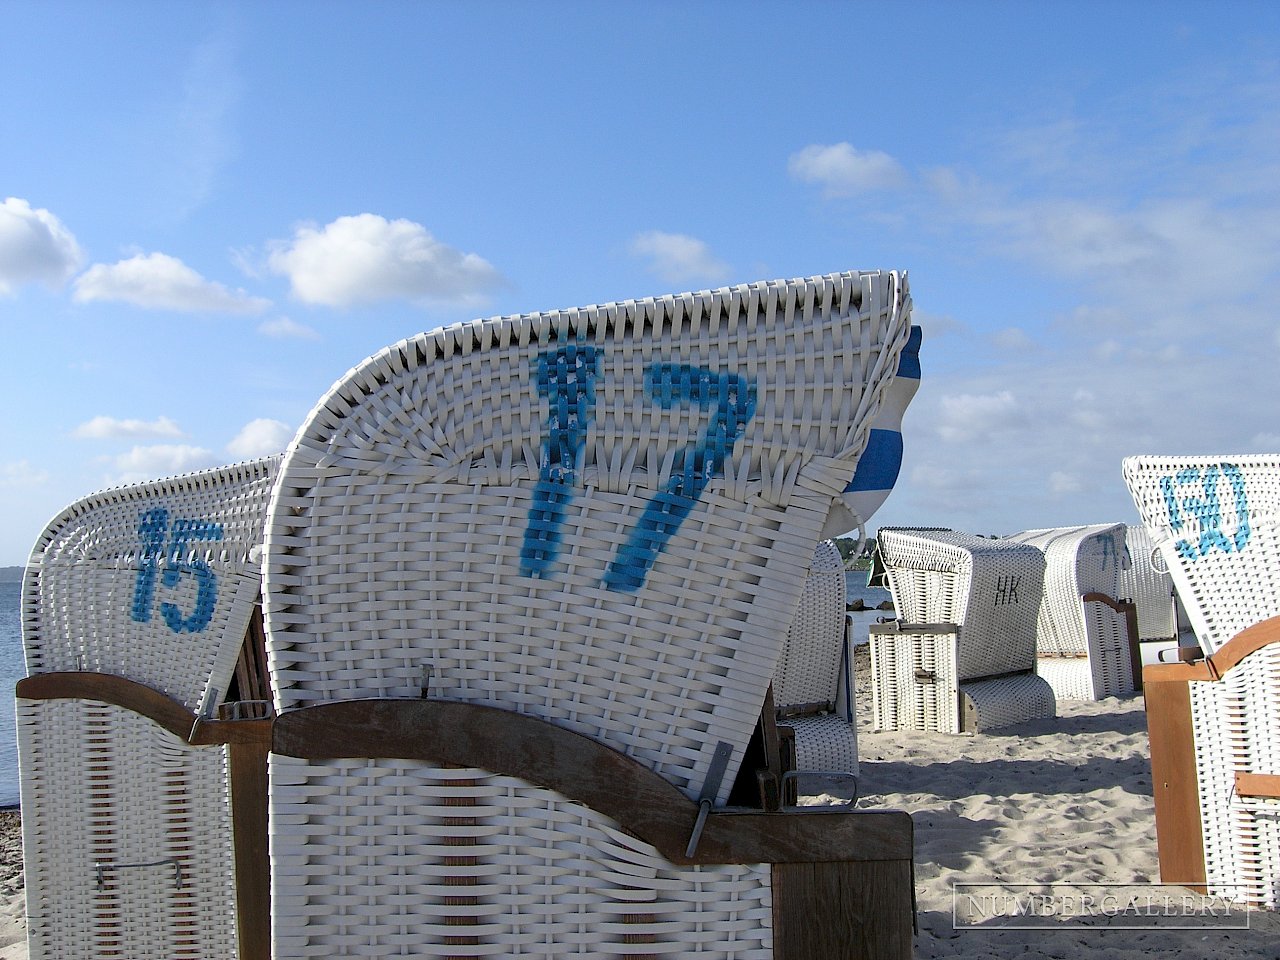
(491, 662)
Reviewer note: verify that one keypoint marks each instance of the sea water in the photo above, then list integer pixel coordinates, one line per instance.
(12, 669)
(860, 621)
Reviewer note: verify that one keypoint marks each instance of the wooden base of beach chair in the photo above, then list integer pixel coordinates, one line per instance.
(489, 831)
(915, 687)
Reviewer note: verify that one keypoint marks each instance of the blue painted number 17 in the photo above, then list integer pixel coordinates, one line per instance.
(566, 379)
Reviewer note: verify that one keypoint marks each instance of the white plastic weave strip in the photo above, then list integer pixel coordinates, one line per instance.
(1081, 560)
(154, 582)
(126, 837)
(914, 683)
(990, 587)
(1236, 726)
(400, 858)
(1002, 701)
(809, 668)
(1216, 521)
(601, 516)
(1149, 587)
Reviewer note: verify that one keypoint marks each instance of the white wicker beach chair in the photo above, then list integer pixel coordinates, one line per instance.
(136, 605)
(962, 654)
(595, 523)
(1150, 587)
(1085, 647)
(813, 685)
(1215, 724)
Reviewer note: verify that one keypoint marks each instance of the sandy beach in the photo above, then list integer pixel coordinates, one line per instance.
(1063, 800)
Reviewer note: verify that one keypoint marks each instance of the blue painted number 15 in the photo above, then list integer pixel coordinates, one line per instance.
(154, 531)
(566, 379)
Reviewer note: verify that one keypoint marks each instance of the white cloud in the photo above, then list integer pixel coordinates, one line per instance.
(160, 460)
(677, 258)
(282, 328)
(34, 247)
(157, 281)
(966, 417)
(1061, 483)
(260, 438)
(22, 474)
(1012, 338)
(366, 258)
(842, 170)
(104, 428)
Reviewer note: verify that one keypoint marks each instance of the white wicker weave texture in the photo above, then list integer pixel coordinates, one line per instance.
(380, 858)
(126, 837)
(1092, 637)
(1149, 587)
(1236, 727)
(1216, 522)
(815, 665)
(154, 582)
(601, 516)
(990, 587)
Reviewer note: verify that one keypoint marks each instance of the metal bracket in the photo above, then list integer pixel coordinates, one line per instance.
(719, 763)
(100, 868)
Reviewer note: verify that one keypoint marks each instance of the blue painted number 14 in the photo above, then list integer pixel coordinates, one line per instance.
(566, 379)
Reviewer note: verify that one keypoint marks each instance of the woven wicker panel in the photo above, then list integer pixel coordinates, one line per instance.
(154, 582)
(828, 742)
(1148, 586)
(1215, 522)
(1071, 678)
(916, 677)
(1236, 725)
(809, 668)
(601, 517)
(102, 786)
(1003, 701)
(396, 857)
(1081, 560)
(991, 587)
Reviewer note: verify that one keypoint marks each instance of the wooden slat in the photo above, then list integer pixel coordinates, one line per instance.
(1257, 785)
(248, 774)
(158, 707)
(842, 911)
(511, 744)
(1174, 782)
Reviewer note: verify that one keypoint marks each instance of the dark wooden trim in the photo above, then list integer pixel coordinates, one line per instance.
(1257, 784)
(1174, 782)
(842, 911)
(158, 707)
(512, 744)
(247, 763)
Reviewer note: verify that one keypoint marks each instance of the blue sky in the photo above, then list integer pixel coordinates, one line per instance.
(214, 210)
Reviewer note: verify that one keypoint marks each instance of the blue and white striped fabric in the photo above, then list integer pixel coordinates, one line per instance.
(882, 460)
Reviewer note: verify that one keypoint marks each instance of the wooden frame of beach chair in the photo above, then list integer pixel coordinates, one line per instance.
(1087, 638)
(961, 655)
(136, 606)
(596, 522)
(1215, 724)
(813, 685)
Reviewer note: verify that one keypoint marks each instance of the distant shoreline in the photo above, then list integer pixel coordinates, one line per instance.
(11, 574)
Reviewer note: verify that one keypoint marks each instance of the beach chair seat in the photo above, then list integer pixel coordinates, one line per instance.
(917, 687)
(1086, 644)
(597, 522)
(813, 684)
(966, 609)
(1214, 724)
(136, 607)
